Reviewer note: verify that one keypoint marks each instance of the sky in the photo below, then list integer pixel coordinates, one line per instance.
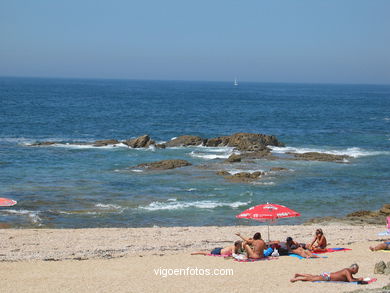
(313, 41)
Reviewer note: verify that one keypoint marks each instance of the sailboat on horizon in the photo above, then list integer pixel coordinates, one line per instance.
(235, 81)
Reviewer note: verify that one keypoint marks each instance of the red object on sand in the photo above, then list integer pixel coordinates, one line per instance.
(268, 211)
(6, 202)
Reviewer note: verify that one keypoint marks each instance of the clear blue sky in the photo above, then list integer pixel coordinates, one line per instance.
(336, 41)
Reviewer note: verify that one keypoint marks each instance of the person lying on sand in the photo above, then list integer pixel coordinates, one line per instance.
(382, 246)
(319, 242)
(344, 275)
(258, 245)
(229, 250)
(294, 247)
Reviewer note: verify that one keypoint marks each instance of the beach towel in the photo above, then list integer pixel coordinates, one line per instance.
(333, 250)
(355, 283)
(223, 255)
(386, 233)
(301, 257)
(256, 259)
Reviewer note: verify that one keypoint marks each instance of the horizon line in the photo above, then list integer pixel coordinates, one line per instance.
(194, 80)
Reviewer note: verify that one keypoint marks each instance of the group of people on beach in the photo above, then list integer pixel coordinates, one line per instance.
(257, 248)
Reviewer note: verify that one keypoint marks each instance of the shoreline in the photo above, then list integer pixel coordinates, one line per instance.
(106, 243)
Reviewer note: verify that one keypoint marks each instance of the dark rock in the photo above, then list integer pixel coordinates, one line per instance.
(161, 146)
(217, 141)
(314, 156)
(164, 164)
(252, 141)
(143, 141)
(233, 159)
(223, 173)
(43, 143)
(385, 209)
(260, 154)
(105, 142)
(185, 140)
(363, 214)
(380, 267)
(242, 177)
(277, 169)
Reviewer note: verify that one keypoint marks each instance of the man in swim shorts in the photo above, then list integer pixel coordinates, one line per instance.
(382, 246)
(344, 275)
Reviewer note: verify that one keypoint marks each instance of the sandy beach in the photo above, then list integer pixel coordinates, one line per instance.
(136, 259)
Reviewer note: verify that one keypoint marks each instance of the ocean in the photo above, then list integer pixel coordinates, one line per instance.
(78, 185)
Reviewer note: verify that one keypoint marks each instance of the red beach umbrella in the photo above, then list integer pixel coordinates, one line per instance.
(268, 212)
(6, 202)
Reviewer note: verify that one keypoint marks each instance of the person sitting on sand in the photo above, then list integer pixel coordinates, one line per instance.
(319, 242)
(229, 250)
(258, 245)
(344, 275)
(381, 246)
(294, 247)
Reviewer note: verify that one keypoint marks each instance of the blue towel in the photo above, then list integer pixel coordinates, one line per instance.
(301, 257)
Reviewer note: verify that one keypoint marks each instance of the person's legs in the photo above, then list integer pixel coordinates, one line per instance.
(250, 251)
(200, 253)
(381, 246)
(307, 278)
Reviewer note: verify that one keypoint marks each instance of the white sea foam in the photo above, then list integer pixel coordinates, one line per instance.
(354, 152)
(191, 189)
(176, 205)
(208, 153)
(108, 206)
(263, 183)
(137, 170)
(235, 171)
(88, 146)
(32, 215)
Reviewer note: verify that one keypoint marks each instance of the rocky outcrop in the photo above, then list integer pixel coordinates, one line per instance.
(242, 177)
(278, 169)
(185, 140)
(220, 141)
(359, 217)
(143, 141)
(43, 143)
(234, 158)
(249, 142)
(164, 164)
(314, 156)
(100, 143)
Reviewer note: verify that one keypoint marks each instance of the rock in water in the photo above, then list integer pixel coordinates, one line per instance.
(164, 164)
(233, 159)
(314, 156)
(143, 141)
(380, 267)
(105, 142)
(185, 140)
(252, 141)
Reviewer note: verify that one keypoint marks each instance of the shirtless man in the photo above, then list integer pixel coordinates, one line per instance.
(258, 245)
(344, 275)
(229, 250)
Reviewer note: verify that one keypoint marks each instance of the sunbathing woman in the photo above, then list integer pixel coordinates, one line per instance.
(319, 242)
(229, 250)
(294, 247)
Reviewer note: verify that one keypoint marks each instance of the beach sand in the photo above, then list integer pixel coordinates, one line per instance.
(126, 260)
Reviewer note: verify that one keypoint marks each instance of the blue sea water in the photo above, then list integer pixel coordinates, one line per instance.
(85, 186)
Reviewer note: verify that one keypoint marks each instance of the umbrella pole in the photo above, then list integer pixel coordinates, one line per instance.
(268, 232)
